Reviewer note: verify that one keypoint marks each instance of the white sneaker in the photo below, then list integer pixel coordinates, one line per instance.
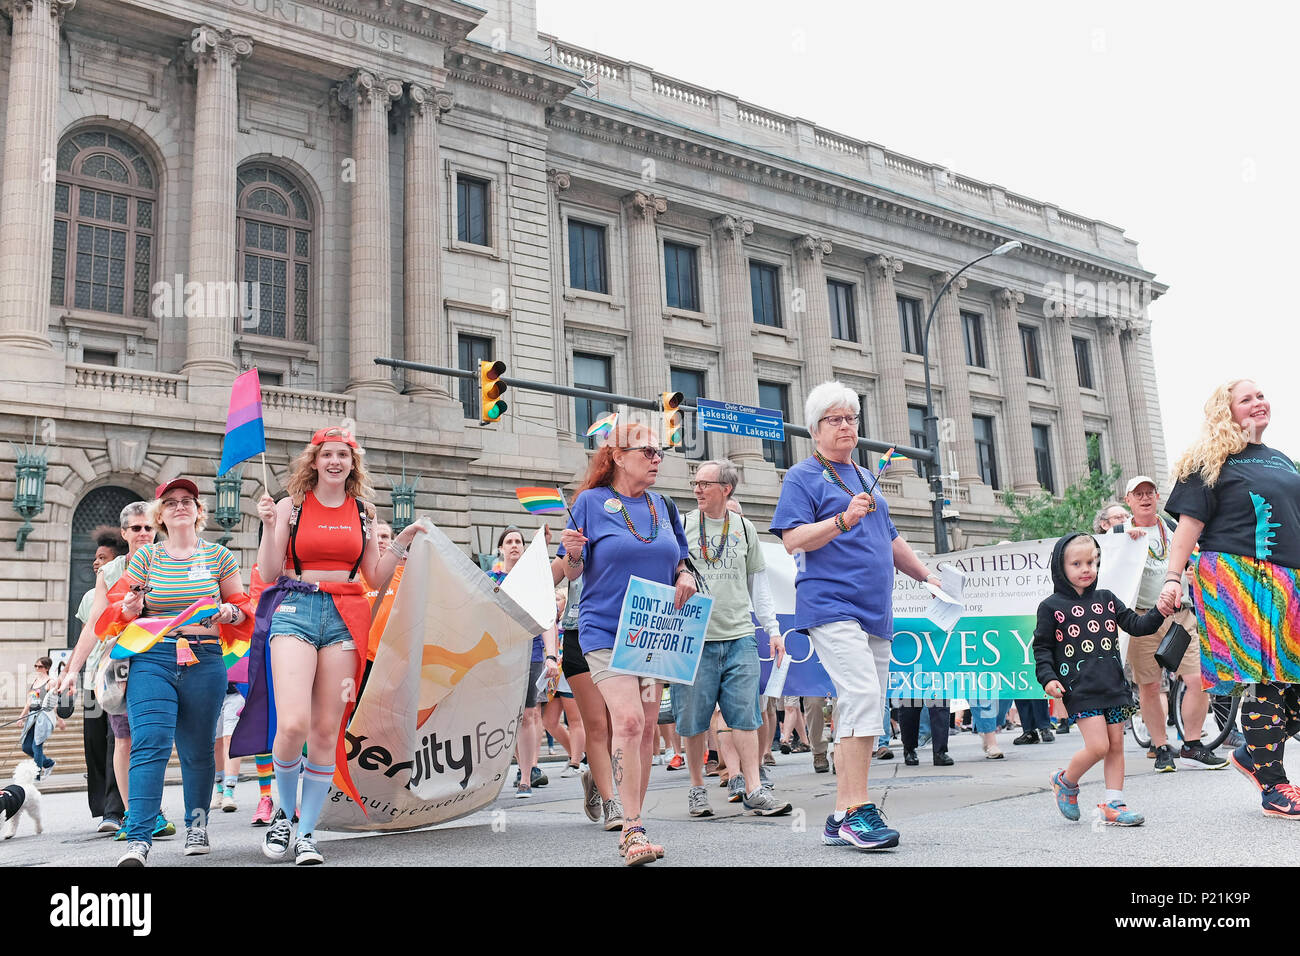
(137, 854)
(570, 771)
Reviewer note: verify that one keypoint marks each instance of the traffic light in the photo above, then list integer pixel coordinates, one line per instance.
(491, 388)
(669, 402)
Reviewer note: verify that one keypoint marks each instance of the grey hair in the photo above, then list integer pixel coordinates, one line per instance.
(727, 473)
(826, 396)
(1101, 513)
(134, 508)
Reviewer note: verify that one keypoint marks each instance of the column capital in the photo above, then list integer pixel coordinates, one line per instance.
(732, 227)
(218, 46)
(811, 247)
(1008, 298)
(646, 205)
(424, 100)
(58, 9)
(938, 279)
(1136, 329)
(363, 88)
(558, 180)
(885, 266)
(1110, 325)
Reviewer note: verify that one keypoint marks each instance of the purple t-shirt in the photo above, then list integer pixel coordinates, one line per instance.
(850, 578)
(613, 555)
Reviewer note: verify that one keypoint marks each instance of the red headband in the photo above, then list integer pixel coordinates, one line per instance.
(322, 436)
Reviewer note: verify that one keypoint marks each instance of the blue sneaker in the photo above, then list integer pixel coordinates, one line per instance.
(864, 828)
(1241, 759)
(831, 833)
(1067, 798)
(163, 827)
(1117, 814)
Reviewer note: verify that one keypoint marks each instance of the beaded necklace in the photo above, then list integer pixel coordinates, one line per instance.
(704, 538)
(627, 518)
(829, 471)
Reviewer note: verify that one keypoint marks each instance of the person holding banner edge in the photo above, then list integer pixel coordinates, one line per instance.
(847, 550)
(617, 529)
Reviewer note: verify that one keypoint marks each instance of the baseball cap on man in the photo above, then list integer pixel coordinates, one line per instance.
(185, 483)
(1137, 480)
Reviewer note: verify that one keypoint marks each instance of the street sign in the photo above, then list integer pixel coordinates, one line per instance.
(743, 420)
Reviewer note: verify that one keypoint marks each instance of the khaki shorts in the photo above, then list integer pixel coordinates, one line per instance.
(1142, 650)
(598, 662)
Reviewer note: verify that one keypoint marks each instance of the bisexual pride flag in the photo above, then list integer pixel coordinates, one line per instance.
(245, 436)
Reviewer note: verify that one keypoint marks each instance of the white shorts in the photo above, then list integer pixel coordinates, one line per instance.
(231, 705)
(858, 665)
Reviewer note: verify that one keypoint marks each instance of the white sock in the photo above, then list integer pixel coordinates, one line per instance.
(1114, 795)
(839, 816)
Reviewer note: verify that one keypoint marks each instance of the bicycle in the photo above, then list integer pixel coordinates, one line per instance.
(1220, 720)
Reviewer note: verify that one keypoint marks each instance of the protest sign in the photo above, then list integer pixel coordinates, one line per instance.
(656, 639)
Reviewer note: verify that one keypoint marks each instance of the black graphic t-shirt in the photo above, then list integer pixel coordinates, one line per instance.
(1253, 510)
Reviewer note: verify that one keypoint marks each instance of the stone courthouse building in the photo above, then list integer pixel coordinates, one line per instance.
(429, 180)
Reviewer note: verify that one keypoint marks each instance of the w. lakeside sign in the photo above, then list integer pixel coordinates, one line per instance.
(989, 655)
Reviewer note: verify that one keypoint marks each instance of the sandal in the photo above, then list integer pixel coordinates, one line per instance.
(636, 849)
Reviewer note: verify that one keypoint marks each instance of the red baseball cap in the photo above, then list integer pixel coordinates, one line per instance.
(185, 483)
(334, 433)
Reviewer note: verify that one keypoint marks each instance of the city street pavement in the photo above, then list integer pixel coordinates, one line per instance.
(978, 812)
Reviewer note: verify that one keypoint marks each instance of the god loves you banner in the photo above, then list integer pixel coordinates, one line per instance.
(655, 638)
(989, 653)
(433, 735)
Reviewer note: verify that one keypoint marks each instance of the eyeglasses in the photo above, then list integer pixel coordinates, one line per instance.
(1143, 494)
(172, 504)
(704, 484)
(650, 451)
(838, 420)
(143, 527)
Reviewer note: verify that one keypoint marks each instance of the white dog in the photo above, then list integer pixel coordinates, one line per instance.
(12, 804)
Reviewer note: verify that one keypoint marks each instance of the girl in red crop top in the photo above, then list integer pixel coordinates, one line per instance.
(319, 534)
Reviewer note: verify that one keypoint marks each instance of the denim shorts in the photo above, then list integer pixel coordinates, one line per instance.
(312, 617)
(728, 678)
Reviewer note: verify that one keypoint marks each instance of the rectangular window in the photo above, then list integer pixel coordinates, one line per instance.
(1083, 363)
(695, 442)
(472, 210)
(1043, 457)
(844, 322)
(972, 324)
(471, 349)
(985, 453)
(1093, 442)
(771, 395)
(98, 357)
(587, 257)
(270, 378)
(909, 321)
(593, 372)
(916, 426)
(1033, 362)
(765, 292)
(681, 276)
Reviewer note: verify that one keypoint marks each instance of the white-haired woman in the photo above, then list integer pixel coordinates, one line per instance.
(844, 597)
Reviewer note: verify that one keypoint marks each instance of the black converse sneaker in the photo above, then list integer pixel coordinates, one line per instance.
(305, 852)
(278, 836)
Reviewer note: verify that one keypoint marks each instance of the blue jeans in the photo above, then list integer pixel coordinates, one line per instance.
(886, 735)
(169, 703)
(984, 714)
(728, 677)
(36, 751)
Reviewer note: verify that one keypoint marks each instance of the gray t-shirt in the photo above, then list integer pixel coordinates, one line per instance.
(732, 558)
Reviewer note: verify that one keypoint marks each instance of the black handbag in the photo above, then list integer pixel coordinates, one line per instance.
(1173, 646)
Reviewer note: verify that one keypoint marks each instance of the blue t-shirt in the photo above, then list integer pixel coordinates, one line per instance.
(850, 578)
(539, 648)
(613, 555)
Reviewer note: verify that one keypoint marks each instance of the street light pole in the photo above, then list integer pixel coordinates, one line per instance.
(934, 464)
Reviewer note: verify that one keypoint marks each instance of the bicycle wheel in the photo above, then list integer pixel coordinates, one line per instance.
(1137, 726)
(1220, 719)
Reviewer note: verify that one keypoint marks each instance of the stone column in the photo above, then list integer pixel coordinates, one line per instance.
(1074, 445)
(812, 305)
(1135, 379)
(739, 382)
(891, 390)
(1117, 399)
(27, 200)
(370, 297)
(557, 182)
(951, 341)
(209, 338)
(426, 323)
(644, 301)
(1015, 391)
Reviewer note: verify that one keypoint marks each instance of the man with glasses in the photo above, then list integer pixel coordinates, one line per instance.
(724, 547)
(1144, 501)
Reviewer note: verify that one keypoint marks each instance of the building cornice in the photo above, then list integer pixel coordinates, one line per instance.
(511, 73)
(446, 21)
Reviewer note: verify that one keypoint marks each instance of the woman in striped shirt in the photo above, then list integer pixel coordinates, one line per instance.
(175, 689)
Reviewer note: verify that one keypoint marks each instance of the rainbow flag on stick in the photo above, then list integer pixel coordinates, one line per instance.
(887, 459)
(541, 501)
(245, 435)
(144, 632)
(603, 425)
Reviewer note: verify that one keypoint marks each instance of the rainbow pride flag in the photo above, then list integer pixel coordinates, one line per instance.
(245, 435)
(144, 632)
(889, 457)
(541, 500)
(603, 425)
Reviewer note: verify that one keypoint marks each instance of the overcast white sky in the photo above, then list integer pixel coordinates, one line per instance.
(1174, 121)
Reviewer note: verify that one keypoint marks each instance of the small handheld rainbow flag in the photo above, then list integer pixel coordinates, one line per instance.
(541, 501)
(603, 425)
(890, 457)
(144, 632)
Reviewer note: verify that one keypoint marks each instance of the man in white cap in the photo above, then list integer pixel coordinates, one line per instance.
(1143, 500)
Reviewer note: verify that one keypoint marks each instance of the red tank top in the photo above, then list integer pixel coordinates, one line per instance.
(328, 539)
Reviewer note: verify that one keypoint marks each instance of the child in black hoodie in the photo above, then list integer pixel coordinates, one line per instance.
(1076, 653)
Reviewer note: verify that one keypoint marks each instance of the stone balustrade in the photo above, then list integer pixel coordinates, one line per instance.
(126, 381)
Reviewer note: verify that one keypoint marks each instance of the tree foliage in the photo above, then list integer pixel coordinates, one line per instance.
(1043, 515)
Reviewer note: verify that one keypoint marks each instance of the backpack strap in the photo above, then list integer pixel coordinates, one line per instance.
(293, 539)
(364, 521)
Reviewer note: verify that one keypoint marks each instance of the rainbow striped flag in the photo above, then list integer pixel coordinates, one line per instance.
(541, 500)
(603, 425)
(144, 632)
(245, 435)
(888, 458)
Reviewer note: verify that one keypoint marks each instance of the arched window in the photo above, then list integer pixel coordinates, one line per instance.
(105, 197)
(275, 251)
